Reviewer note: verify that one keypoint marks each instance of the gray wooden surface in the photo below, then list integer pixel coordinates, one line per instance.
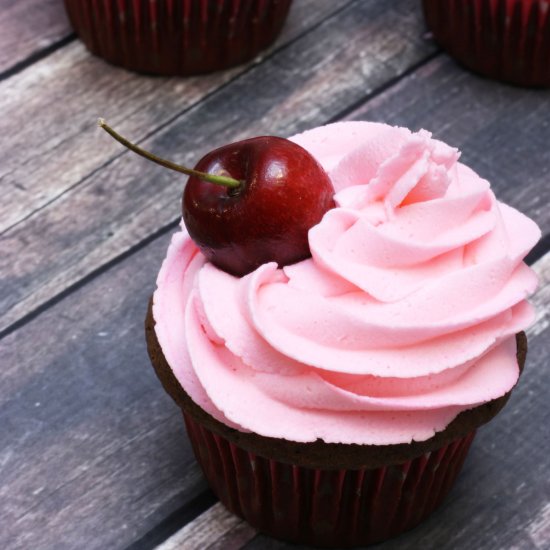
(31, 29)
(93, 453)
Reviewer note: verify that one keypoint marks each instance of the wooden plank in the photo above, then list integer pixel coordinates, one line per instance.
(93, 450)
(538, 531)
(50, 110)
(93, 453)
(216, 524)
(310, 81)
(502, 131)
(235, 539)
(501, 497)
(28, 28)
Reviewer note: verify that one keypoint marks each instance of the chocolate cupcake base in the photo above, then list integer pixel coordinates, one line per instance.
(325, 494)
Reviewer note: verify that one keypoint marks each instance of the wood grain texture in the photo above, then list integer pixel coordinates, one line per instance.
(92, 449)
(29, 27)
(310, 81)
(214, 527)
(92, 452)
(57, 102)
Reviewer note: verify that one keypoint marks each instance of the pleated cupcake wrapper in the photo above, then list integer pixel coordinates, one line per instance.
(325, 507)
(504, 39)
(173, 37)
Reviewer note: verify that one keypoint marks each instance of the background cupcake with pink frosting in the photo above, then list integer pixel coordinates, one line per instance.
(332, 401)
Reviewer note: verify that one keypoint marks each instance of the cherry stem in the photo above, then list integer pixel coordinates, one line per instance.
(212, 178)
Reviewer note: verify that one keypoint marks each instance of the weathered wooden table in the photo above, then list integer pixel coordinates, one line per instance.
(93, 453)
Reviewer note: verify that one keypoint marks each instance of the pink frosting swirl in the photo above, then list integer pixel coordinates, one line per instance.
(404, 316)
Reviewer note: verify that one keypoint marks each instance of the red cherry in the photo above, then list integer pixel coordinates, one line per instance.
(251, 202)
(283, 192)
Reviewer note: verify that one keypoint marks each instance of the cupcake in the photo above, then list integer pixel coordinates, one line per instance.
(177, 37)
(504, 39)
(332, 402)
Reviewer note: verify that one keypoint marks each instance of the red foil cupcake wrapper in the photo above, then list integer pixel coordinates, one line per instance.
(504, 39)
(326, 507)
(177, 37)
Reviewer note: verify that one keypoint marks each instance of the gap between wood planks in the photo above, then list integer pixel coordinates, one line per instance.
(187, 515)
(36, 56)
(287, 39)
(215, 525)
(540, 249)
(381, 89)
(30, 31)
(303, 23)
(26, 317)
(89, 277)
(137, 247)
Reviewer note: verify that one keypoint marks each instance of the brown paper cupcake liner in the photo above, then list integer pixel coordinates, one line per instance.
(177, 37)
(326, 507)
(504, 39)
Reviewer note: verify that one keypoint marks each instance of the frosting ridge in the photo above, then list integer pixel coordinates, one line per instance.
(404, 316)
